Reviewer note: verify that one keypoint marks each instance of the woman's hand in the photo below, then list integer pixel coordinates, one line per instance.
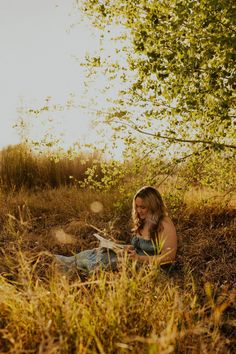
(128, 248)
(132, 254)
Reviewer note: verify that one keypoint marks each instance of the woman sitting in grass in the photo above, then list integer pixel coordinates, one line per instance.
(154, 238)
(155, 233)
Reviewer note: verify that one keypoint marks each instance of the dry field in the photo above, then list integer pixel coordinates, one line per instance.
(191, 309)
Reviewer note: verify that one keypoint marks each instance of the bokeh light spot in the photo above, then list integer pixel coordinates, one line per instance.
(96, 207)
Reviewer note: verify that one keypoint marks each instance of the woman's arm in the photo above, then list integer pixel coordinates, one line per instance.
(168, 245)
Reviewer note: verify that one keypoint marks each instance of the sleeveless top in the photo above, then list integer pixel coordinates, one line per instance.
(144, 247)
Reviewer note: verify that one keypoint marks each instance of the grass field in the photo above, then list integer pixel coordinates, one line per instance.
(190, 309)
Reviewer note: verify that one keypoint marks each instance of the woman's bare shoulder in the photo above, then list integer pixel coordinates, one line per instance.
(168, 224)
(167, 220)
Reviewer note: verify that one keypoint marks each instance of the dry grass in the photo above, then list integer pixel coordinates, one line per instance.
(147, 310)
(21, 168)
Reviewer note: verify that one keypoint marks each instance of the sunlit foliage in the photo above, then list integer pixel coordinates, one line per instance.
(180, 76)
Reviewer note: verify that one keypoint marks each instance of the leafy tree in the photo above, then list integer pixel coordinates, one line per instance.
(180, 77)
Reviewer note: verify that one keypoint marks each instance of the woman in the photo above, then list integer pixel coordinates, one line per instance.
(154, 240)
(155, 236)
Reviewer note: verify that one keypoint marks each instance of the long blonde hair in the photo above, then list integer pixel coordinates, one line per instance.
(156, 207)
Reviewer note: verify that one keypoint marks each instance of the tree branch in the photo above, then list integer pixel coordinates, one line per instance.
(191, 141)
(174, 164)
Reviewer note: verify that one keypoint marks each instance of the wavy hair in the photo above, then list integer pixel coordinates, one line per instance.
(156, 208)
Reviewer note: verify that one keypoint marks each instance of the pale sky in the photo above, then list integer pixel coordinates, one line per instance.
(38, 46)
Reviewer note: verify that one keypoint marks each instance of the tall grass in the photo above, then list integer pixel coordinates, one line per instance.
(20, 167)
(135, 310)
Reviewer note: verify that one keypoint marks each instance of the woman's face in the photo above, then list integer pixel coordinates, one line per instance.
(141, 208)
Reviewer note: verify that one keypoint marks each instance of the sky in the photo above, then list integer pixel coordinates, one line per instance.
(39, 43)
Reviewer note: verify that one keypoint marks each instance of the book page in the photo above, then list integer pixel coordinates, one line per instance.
(103, 242)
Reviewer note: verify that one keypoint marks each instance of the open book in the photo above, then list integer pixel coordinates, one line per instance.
(103, 242)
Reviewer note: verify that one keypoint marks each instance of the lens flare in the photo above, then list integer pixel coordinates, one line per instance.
(96, 207)
(62, 237)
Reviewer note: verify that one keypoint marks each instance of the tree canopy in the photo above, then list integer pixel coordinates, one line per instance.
(182, 58)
